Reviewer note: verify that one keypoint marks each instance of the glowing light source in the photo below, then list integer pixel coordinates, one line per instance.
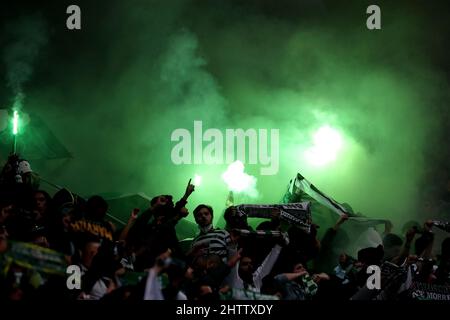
(237, 180)
(326, 144)
(15, 122)
(197, 180)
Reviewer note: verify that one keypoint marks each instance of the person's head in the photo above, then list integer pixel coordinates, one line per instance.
(160, 201)
(343, 259)
(65, 216)
(213, 261)
(88, 253)
(234, 220)
(63, 198)
(27, 175)
(421, 244)
(304, 245)
(298, 267)
(162, 207)
(16, 170)
(199, 265)
(24, 167)
(96, 208)
(176, 272)
(392, 246)
(246, 269)
(203, 215)
(371, 256)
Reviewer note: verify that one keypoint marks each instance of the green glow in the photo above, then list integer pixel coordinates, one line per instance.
(197, 180)
(15, 122)
(327, 143)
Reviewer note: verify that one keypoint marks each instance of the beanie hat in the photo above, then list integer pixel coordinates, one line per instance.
(24, 167)
(202, 206)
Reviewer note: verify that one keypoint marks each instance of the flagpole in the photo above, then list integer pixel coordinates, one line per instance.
(14, 144)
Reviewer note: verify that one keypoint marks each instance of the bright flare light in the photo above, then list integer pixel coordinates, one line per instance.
(197, 180)
(15, 122)
(236, 179)
(327, 143)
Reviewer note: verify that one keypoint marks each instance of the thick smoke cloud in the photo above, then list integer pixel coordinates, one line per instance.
(25, 38)
(240, 65)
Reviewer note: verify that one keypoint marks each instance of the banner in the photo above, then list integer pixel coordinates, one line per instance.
(297, 214)
(260, 233)
(443, 225)
(425, 291)
(301, 189)
(31, 256)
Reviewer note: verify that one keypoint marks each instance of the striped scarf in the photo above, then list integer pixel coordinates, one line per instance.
(266, 234)
(297, 214)
(309, 285)
(443, 225)
(215, 241)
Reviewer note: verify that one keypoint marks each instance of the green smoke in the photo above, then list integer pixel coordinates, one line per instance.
(145, 70)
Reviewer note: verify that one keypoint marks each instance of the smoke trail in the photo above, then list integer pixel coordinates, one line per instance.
(187, 88)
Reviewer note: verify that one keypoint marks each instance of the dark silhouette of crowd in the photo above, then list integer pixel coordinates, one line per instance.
(64, 247)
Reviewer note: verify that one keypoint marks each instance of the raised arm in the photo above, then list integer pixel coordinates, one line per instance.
(133, 216)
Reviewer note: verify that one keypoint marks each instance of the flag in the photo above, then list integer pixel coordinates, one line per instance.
(427, 291)
(273, 234)
(35, 140)
(300, 188)
(31, 256)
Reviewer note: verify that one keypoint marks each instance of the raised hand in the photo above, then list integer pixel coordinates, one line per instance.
(134, 214)
(234, 259)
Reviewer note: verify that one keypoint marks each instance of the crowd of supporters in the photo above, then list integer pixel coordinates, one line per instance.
(64, 247)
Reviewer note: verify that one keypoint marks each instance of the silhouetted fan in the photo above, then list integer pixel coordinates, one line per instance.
(120, 206)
